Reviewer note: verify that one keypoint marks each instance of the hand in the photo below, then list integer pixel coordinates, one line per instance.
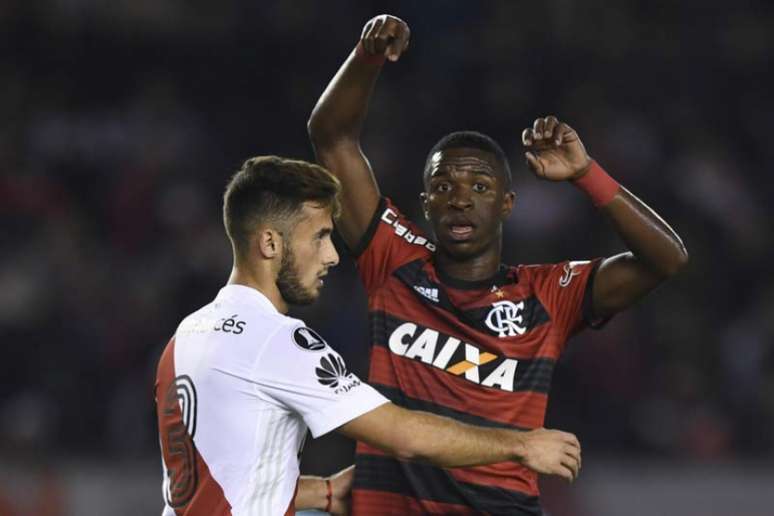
(341, 487)
(551, 452)
(385, 35)
(554, 151)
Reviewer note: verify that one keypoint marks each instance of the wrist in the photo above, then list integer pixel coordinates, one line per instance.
(328, 495)
(597, 184)
(365, 57)
(519, 446)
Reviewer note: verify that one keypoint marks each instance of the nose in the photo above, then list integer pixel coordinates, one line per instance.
(460, 198)
(331, 256)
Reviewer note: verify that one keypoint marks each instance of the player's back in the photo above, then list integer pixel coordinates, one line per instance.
(228, 445)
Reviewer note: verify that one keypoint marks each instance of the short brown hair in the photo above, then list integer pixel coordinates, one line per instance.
(271, 189)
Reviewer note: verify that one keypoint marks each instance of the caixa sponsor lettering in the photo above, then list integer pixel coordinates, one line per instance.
(452, 355)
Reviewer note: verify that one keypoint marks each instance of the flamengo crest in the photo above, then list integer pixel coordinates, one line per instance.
(506, 319)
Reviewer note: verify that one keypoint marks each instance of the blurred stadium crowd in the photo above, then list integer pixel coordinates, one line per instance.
(123, 120)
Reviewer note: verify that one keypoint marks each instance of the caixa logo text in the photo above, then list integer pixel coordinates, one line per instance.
(452, 355)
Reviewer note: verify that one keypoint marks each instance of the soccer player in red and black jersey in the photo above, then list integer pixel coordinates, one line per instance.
(454, 331)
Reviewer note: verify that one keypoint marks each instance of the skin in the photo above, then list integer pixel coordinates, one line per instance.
(308, 253)
(466, 203)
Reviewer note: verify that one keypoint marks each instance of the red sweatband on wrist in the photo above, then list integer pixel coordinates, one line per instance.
(329, 496)
(598, 185)
(372, 59)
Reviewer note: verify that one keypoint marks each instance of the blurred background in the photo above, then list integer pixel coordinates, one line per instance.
(123, 120)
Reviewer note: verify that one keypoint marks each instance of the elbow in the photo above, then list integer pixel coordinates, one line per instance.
(324, 133)
(407, 448)
(678, 263)
(321, 135)
(314, 128)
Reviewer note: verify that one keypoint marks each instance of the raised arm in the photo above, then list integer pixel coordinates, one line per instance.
(554, 152)
(420, 436)
(337, 120)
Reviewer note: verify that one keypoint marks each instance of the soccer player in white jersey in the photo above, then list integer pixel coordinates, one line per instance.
(240, 382)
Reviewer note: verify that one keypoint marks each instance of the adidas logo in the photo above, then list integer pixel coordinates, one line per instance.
(429, 293)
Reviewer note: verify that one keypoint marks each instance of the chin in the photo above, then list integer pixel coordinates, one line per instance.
(461, 250)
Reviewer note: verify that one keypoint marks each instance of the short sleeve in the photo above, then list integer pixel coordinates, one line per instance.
(301, 371)
(565, 290)
(390, 241)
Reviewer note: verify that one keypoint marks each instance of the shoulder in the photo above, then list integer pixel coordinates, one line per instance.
(296, 334)
(399, 225)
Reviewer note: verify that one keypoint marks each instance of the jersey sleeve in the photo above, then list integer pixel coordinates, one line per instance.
(390, 241)
(565, 289)
(302, 372)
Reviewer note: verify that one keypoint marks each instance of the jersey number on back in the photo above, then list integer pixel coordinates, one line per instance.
(179, 429)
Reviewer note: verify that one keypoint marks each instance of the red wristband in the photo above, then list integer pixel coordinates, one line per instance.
(329, 496)
(598, 185)
(372, 59)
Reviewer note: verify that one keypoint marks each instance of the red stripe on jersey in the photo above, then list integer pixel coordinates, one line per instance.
(366, 502)
(192, 490)
(418, 380)
(508, 475)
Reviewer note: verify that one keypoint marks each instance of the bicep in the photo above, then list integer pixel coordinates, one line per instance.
(386, 427)
(621, 281)
(360, 192)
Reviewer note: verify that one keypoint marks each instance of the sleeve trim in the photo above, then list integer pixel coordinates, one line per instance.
(346, 411)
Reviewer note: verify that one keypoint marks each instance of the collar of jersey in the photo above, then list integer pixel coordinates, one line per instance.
(499, 279)
(246, 294)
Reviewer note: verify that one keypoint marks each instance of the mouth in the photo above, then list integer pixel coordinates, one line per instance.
(460, 230)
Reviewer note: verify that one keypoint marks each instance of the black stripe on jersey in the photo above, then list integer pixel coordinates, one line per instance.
(417, 280)
(435, 484)
(370, 230)
(399, 398)
(532, 374)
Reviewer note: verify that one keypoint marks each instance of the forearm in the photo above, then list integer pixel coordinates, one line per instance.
(342, 108)
(312, 493)
(649, 238)
(447, 443)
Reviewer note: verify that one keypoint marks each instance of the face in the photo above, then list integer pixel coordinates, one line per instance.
(466, 201)
(307, 254)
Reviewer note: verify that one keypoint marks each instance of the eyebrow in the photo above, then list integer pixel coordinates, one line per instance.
(324, 232)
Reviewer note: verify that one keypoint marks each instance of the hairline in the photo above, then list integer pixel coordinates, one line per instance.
(499, 165)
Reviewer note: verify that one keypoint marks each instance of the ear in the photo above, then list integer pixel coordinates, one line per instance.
(509, 200)
(423, 199)
(268, 243)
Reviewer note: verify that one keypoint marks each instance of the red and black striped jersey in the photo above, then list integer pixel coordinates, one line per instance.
(480, 352)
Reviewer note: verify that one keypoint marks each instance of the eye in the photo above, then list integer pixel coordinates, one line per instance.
(480, 188)
(442, 187)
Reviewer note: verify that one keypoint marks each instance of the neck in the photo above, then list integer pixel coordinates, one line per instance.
(261, 282)
(474, 268)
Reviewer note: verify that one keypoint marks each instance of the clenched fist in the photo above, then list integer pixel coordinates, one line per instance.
(385, 35)
(554, 150)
